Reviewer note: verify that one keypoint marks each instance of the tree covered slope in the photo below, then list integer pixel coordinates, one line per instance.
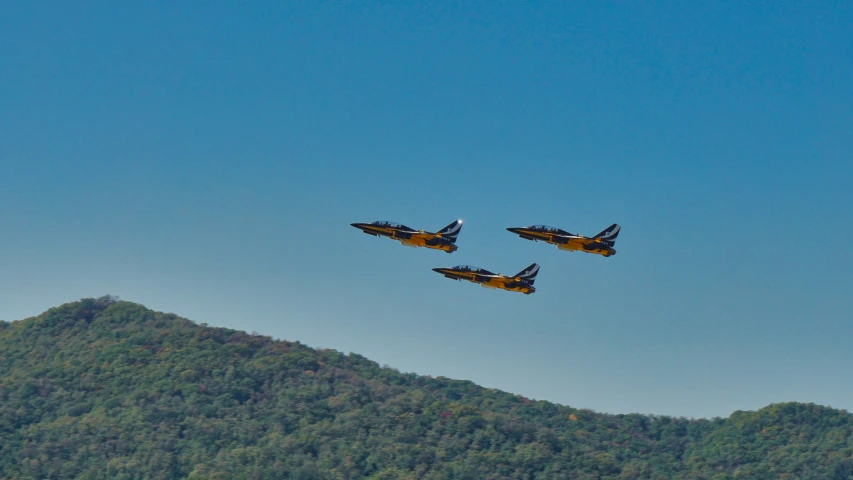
(107, 389)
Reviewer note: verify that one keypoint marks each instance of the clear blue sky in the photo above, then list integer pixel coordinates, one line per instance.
(207, 159)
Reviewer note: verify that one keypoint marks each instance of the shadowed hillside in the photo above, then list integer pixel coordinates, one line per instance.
(107, 389)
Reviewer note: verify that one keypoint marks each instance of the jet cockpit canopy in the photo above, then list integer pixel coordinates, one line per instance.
(386, 224)
(469, 268)
(549, 229)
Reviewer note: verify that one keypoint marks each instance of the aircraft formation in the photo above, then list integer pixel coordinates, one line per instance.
(445, 240)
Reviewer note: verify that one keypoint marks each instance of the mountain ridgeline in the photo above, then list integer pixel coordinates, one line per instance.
(107, 389)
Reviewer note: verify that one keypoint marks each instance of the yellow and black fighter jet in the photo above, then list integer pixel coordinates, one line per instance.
(520, 282)
(601, 244)
(444, 239)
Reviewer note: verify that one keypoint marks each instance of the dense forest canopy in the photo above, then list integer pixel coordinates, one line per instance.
(107, 389)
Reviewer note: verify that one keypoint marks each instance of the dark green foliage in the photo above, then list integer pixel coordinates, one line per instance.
(105, 389)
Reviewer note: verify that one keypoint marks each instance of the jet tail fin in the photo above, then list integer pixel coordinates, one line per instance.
(451, 231)
(529, 273)
(609, 234)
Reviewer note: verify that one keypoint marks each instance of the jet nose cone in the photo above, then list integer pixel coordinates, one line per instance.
(513, 229)
(356, 225)
(438, 270)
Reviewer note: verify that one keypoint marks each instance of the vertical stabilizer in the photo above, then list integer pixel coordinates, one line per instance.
(451, 231)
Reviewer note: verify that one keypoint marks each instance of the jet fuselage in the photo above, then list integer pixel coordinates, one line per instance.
(567, 241)
(489, 280)
(408, 237)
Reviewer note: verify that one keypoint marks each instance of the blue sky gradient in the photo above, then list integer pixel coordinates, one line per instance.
(207, 160)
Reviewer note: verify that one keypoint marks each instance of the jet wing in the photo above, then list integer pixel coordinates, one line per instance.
(567, 238)
(472, 276)
(424, 235)
(458, 275)
(480, 278)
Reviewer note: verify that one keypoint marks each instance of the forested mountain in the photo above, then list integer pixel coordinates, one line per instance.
(107, 389)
